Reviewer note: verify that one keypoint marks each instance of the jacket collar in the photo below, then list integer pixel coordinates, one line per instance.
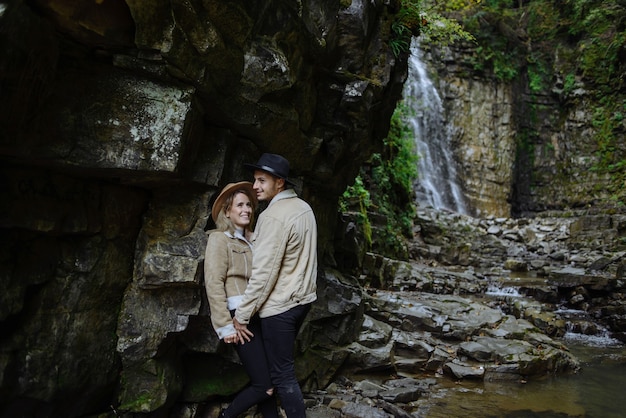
(285, 194)
(237, 235)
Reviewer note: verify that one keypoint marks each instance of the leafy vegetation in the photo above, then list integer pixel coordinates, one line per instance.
(581, 42)
(560, 47)
(357, 196)
(426, 19)
(500, 47)
(385, 185)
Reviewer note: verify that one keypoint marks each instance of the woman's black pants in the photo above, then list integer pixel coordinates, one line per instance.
(254, 360)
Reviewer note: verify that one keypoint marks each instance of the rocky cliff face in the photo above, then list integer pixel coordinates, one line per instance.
(479, 112)
(520, 151)
(119, 122)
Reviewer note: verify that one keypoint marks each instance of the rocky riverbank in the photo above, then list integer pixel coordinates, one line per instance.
(435, 318)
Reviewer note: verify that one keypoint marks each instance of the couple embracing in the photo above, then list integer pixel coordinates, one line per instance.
(260, 285)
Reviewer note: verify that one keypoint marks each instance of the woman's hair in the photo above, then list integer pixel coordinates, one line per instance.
(225, 224)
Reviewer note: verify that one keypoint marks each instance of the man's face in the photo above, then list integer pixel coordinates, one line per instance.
(266, 185)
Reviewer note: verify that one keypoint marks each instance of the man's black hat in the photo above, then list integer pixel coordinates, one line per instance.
(274, 164)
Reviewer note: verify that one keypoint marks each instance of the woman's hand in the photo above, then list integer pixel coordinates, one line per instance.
(231, 338)
(243, 333)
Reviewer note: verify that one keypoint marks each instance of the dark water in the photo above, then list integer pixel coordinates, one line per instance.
(597, 391)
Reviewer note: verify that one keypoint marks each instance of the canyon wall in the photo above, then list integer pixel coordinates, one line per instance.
(519, 152)
(119, 123)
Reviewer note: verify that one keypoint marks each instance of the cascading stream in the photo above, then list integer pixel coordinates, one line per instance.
(437, 185)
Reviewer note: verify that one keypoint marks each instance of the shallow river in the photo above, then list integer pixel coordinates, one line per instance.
(598, 390)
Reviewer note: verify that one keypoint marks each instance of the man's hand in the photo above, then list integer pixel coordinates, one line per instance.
(243, 333)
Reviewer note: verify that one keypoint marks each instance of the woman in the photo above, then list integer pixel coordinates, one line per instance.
(227, 267)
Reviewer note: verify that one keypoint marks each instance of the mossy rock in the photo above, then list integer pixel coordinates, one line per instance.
(208, 376)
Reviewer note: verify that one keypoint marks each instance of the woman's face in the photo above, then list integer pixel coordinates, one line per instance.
(240, 211)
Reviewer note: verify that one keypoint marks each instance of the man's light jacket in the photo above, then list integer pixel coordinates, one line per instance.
(284, 261)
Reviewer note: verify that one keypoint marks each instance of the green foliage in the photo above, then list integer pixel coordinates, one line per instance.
(407, 23)
(591, 16)
(502, 64)
(401, 166)
(606, 121)
(460, 5)
(599, 61)
(583, 41)
(539, 75)
(385, 186)
(498, 4)
(610, 155)
(416, 18)
(498, 47)
(441, 31)
(544, 21)
(535, 81)
(597, 31)
(357, 195)
(401, 41)
(569, 84)
(395, 177)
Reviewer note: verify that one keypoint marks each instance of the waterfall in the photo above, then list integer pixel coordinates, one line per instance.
(437, 184)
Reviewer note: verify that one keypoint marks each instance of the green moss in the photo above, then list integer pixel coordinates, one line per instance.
(143, 403)
(385, 186)
(205, 377)
(428, 20)
(357, 198)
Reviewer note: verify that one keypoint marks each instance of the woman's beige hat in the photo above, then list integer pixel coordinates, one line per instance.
(226, 191)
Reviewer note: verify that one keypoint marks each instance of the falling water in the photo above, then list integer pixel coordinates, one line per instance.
(437, 185)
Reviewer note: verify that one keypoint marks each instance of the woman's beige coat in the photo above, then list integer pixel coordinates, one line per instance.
(227, 268)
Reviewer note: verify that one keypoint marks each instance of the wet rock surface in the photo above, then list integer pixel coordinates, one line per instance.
(432, 323)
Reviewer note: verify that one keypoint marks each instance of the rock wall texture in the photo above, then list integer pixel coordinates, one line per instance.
(520, 152)
(119, 122)
(479, 113)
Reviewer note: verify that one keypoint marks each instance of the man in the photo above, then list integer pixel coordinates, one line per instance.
(284, 272)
